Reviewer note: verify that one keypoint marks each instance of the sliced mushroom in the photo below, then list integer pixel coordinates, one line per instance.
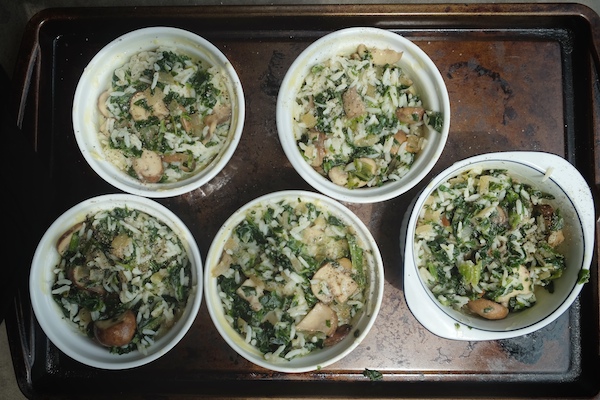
(368, 166)
(499, 217)
(251, 291)
(136, 107)
(361, 52)
(185, 162)
(320, 319)
(144, 104)
(223, 265)
(488, 309)
(555, 238)
(354, 106)
(80, 276)
(546, 211)
(102, 104)
(318, 141)
(385, 56)
(410, 115)
(346, 263)
(399, 138)
(321, 245)
(154, 99)
(484, 183)
(148, 167)
(65, 240)
(273, 317)
(118, 331)
(338, 175)
(412, 144)
(220, 115)
(120, 246)
(192, 124)
(333, 281)
(340, 333)
(309, 120)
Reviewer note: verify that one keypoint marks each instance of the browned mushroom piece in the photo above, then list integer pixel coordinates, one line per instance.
(120, 246)
(354, 106)
(546, 211)
(399, 138)
(154, 99)
(555, 237)
(144, 104)
(361, 52)
(333, 281)
(318, 140)
(410, 115)
(338, 175)
(385, 56)
(413, 144)
(185, 162)
(220, 115)
(64, 241)
(148, 167)
(137, 107)
(192, 124)
(251, 291)
(81, 277)
(487, 309)
(346, 263)
(320, 319)
(117, 331)
(102, 104)
(499, 217)
(340, 333)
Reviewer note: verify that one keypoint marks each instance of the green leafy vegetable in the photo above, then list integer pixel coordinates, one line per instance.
(373, 375)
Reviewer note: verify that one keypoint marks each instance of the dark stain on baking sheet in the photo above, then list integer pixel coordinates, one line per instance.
(497, 100)
(530, 349)
(526, 349)
(273, 76)
(477, 71)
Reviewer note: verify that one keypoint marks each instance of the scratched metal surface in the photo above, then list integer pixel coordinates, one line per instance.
(510, 89)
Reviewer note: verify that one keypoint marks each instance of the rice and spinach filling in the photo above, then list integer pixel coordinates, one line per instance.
(485, 241)
(165, 116)
(292, 278)
(360, 120)
(124, 278)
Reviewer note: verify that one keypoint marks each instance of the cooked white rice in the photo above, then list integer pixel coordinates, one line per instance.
(132, 261)
(178, 93)
(481, 234)
(267, 282)
(338, 135)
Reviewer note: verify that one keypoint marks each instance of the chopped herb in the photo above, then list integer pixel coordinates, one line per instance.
(373, 375)
(279, 246)
(583, 276)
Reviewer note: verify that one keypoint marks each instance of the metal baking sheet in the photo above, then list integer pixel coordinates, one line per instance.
(520, 77)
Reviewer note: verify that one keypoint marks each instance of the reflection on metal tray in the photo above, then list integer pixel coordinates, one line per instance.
(520, 78)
